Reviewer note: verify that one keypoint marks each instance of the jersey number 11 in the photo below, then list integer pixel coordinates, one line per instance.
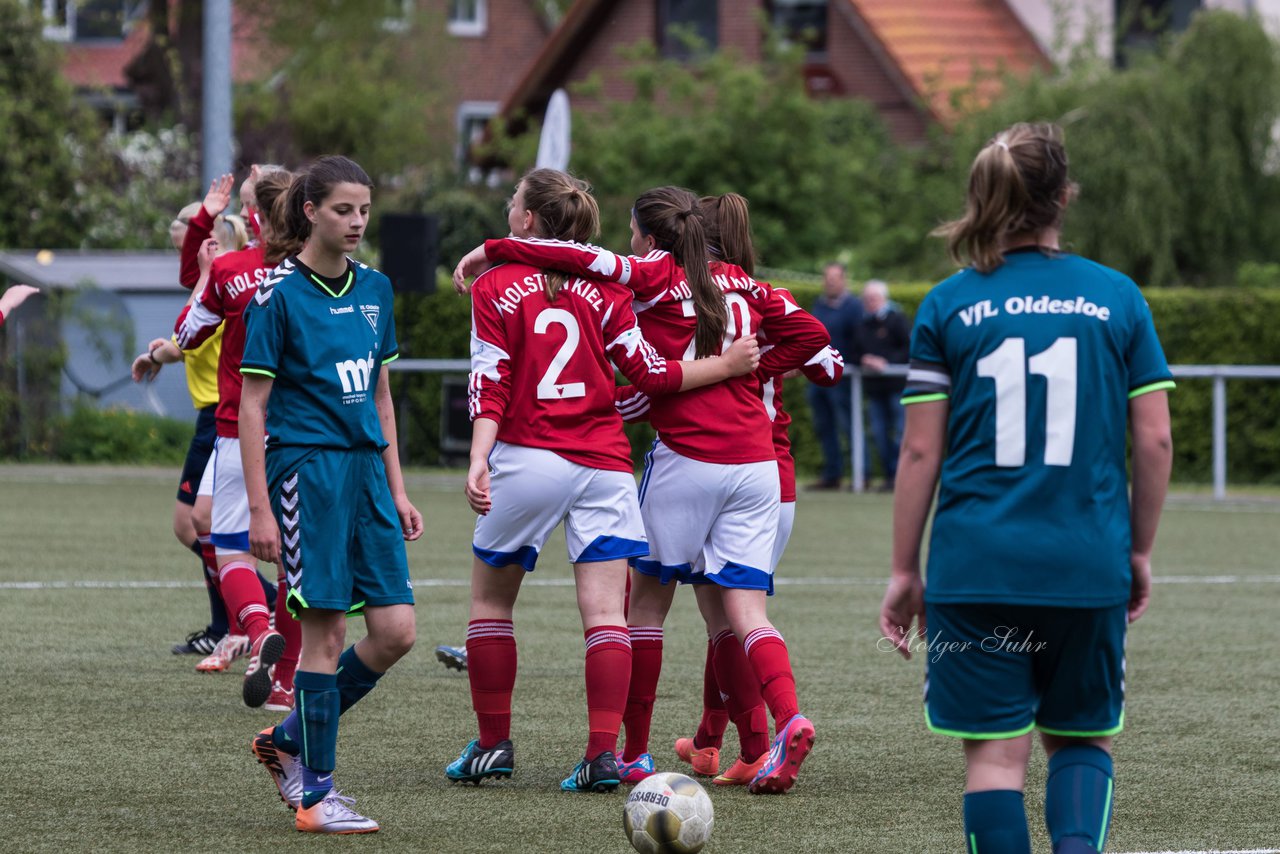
(1008, 365)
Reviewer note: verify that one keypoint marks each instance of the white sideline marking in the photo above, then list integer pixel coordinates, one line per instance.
(568, 582)
(1215, 851)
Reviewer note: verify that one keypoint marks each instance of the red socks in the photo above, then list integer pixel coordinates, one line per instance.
(714, 717)
(768, 655)
(646, 667)
(242, 592)
(742, 695)
(608, 679)
(291, 629)
(491, 667)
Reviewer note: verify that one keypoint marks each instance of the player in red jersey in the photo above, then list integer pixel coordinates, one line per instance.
(233, 281)
(730, 689)
(548, 446)
(718, 438)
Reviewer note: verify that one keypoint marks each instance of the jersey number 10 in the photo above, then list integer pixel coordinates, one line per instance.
(1008, 365)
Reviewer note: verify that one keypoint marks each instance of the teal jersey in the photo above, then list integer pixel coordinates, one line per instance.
(324, 343)
(1038, 361)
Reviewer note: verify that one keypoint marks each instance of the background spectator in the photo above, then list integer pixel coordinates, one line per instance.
(839, 311)
(883, 338)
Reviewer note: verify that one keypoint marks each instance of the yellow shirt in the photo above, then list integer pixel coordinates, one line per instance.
(202, 370)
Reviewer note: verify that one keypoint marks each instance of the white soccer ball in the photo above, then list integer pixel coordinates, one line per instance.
(668, 814)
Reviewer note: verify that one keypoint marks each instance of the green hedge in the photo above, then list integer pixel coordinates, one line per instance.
(92, 435)
(1197, 326)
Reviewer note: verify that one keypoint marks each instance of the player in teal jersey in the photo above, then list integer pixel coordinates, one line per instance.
(320, 333)
(1029, 368)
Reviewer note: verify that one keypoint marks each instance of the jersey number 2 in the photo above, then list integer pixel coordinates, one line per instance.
(1008, 365)
(548, 386)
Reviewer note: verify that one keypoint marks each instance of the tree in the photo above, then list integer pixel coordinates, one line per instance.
(38, 113)
(371, 86)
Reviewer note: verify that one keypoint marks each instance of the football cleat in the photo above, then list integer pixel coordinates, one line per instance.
(598, 775)
(199, 642)
(637, 770)
(705, 760)
(264, 653)
(741, 773)
(333, 815)
(789, 749)
(227, 650)
(452, 657)
(281, 699)
(285, 770)
(475, 763)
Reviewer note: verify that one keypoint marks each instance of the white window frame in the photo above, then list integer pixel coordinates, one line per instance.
(399, 23)
(467, 111)
(472, 27)
(58, 32)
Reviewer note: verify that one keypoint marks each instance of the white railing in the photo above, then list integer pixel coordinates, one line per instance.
(857, 443)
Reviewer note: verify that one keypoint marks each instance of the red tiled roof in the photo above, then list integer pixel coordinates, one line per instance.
(938, 46)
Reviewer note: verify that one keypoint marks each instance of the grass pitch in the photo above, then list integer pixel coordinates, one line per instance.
(110, 743)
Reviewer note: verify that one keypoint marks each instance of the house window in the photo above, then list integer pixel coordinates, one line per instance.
(468, 17)
(473, 119)
(679, 19)
(399, 15)
(89, 20)
(1141, 23)
(801, 22)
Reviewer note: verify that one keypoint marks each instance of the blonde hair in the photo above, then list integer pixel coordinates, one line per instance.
(1018, 186)
(565, 210)
(231, 234)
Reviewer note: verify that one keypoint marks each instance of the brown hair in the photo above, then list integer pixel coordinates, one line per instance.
(290, 227)
(1018, 186)
(267, 192)
(565, 210)
(672, 216)
(728, 225)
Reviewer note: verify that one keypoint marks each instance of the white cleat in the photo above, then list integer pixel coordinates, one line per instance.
(333, 815)
(285, 770)
(226, 651)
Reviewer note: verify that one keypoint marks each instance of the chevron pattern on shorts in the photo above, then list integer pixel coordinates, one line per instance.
(290, 533)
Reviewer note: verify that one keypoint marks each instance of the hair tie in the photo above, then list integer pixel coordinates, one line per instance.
(1002, 144)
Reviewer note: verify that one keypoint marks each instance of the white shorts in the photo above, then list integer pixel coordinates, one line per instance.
(230, 525)
(786, 521)
(534, 489)
(206, 479)
(709, 522)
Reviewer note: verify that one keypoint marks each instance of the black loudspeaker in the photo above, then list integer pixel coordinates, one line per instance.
(410, 249)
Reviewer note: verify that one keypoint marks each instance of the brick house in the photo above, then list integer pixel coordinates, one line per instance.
(906, 57)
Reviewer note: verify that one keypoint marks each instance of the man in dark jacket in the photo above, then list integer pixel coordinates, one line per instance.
(883, 338)
(839, 311)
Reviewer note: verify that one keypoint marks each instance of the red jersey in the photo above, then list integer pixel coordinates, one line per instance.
(725, 423)
(199, 229)
(543, 369)
(233, 280)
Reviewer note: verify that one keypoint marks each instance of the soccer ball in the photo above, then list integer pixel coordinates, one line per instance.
(668, 814)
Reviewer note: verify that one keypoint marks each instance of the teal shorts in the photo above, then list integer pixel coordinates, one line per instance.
(340, 540)
(999, 671)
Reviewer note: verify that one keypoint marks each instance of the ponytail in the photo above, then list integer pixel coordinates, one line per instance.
(267, 192)
(1018, 187)
(728, 227)
(672, 216)
(565, 210)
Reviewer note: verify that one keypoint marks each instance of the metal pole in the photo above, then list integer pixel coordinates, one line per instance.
(857, 437)
(1219, 437)
(217, 147)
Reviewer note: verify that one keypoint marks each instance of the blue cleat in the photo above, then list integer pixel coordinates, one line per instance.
(598, 775)
(452, 657)
(475, 764)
